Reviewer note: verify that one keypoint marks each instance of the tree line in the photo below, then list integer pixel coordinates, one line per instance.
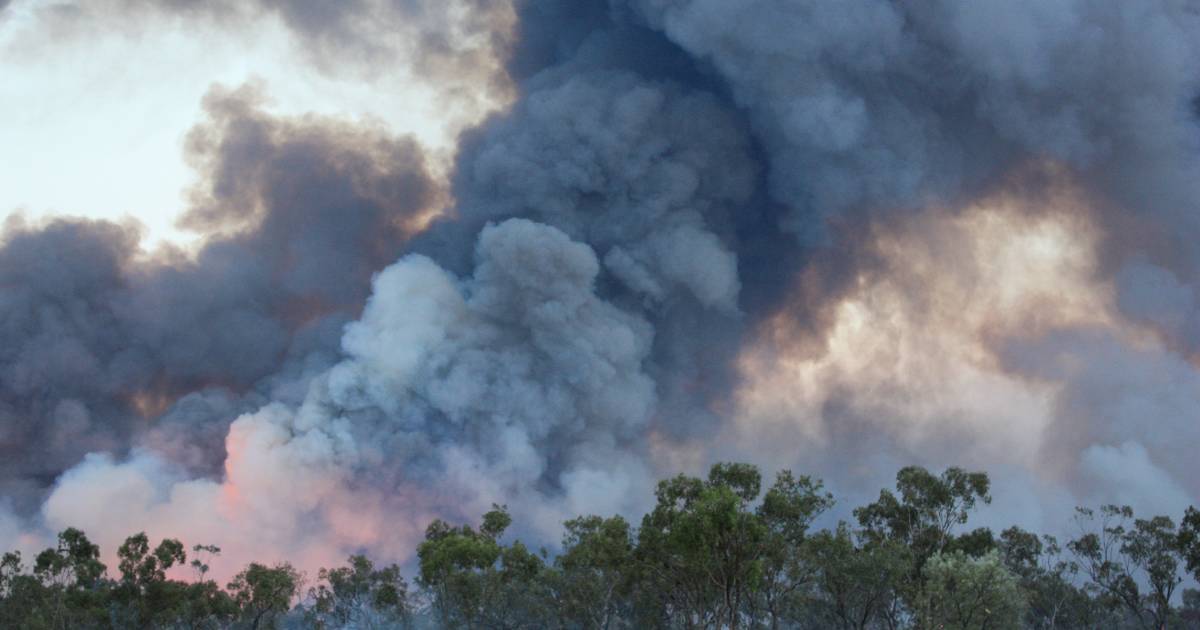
(715, 552)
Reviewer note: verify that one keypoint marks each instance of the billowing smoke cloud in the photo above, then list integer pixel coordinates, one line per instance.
(488, 388)
(836, 238)
(883, 104)
(99, 338)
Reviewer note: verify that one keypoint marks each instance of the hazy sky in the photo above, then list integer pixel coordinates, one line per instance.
(95, 124)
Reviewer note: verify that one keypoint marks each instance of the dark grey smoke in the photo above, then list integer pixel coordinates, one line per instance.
(849, 111)
(95, 341)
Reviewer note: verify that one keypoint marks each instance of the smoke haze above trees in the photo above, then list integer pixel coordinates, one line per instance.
(721, 551)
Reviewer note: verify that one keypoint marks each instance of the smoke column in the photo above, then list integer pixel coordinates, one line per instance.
(836, 237)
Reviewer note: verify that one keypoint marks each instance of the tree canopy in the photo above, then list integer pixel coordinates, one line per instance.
(718, 551)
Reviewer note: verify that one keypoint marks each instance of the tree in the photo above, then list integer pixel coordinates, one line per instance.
(927, 509)
(199, 562)
(10, 569)
(207, 606)
(1188, 541)
(975, 543)
(70, 591)
(700, 551)
(594, 578)
(1120, 559)
(1189, 613)
(478, 583)
(359, 596)
(263, 594)
(788, 510)
(715, 552)
(75, 562)
(965, 593)
(20, 594)
(921, 516)
(854, 586)
(144, 596)
(1151, 547)
(1048, 582)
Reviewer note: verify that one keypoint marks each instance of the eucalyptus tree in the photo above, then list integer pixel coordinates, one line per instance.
(970, 593)
(854, 586)
(477, 582)
(264, 594)
(359, 595)
(1131, 563)
(594, 576)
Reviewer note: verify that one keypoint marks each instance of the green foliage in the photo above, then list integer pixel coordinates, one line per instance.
(10, 570)
(478, 583)
(595, 573)
(1188, 541)
(927, 509)
(68, 591)
(199, 561)
(1048, 582)
(359, 596)
(701, 550)
(74, 563)
(1132, 564)
(264, 594)
(921, 516)
(144, 597)
(788, 509)
(855, 586)
(971, 593)
(715, 552)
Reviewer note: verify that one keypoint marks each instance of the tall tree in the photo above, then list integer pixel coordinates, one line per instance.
(144, 596)
(1048, 581)
(925, 509)
(1188, 541)
(788, 509)
(478, 583)
(922, 516)
(264, 594)
(359, 596)
(594, 580)
(967, 593)
(701, 549)
(71, 578)
(1135, 566)
(854, 585)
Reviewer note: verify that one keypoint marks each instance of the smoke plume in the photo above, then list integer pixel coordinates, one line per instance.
(839, 238)
(104, 344)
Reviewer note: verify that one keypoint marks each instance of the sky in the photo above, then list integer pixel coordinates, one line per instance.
(296, 277)
(97, 115)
